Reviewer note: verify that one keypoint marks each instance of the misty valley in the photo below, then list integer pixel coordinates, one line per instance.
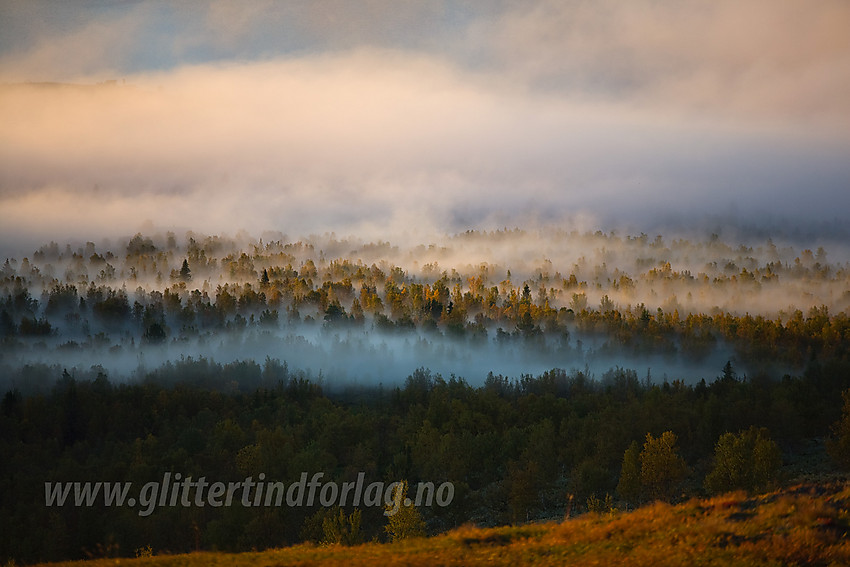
(507, 302)
(572, 278)
(535, 370)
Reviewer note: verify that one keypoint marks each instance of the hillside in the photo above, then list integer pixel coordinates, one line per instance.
(803, 524)
(510, 367)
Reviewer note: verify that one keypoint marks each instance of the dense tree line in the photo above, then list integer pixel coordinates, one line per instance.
(155, 292)
(514, 448)
(472, 315)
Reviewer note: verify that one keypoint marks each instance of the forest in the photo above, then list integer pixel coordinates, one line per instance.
(542, 373)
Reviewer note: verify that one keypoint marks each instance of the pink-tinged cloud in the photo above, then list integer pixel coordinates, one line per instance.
(626, 113)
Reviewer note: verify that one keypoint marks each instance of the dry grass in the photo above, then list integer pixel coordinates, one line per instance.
(803, 525)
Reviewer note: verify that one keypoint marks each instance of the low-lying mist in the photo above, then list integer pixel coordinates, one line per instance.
(362, 357)
(350, 311)
(390, 159)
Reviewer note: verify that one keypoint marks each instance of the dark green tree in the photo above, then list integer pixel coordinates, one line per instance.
(838, 445)
(154, 334)
(185, 272)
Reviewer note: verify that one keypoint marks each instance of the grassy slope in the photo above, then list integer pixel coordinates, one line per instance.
(807, 524)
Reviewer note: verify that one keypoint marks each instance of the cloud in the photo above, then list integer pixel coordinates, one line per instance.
(41, 40)
(311, 117)
(370, 138)
(779, 60)
(57, 42)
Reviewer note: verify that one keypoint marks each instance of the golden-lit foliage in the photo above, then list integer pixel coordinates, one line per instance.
(645, 295)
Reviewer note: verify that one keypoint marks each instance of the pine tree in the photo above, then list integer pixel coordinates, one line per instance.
(185, 272)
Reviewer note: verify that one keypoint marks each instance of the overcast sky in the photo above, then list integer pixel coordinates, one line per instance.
(389, 117)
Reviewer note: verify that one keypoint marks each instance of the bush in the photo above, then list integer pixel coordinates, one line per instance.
(748, 460)
(404, 518)
(341, 529)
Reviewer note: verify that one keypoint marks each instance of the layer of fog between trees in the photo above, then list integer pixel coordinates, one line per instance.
(611, 272)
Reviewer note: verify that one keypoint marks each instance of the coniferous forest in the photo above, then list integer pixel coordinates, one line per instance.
(543, 374)
(549, 282)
